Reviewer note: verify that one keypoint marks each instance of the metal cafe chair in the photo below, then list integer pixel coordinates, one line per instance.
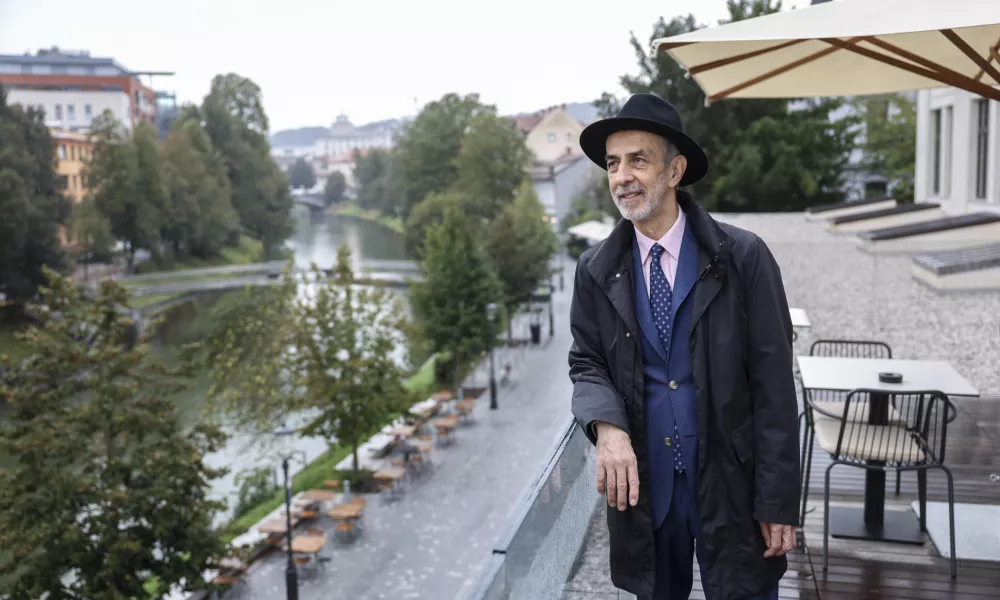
(831, 400)
(915, 443)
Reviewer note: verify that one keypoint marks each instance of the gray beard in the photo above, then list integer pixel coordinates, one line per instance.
(641, 212)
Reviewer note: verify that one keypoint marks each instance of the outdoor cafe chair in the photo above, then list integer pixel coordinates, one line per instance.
(917, 443)
(832, 401)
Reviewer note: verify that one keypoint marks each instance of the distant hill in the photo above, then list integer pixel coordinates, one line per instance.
(303, 136)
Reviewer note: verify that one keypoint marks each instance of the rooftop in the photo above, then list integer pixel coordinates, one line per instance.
(56, 56)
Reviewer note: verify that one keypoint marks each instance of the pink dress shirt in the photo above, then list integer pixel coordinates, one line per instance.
(671, 243)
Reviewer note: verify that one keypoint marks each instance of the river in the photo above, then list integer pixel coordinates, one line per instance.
(315, 240)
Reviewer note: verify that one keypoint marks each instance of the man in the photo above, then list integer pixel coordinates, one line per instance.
(682, 375)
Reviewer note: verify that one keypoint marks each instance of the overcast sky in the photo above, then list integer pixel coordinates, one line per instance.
(371, 59)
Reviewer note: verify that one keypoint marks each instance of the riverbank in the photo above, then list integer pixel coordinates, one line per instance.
(249, 250)
(347, 209)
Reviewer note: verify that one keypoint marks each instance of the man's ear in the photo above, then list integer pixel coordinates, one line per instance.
(677, 169)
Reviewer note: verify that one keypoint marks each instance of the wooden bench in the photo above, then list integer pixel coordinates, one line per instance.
(976, 268)
(904, 214)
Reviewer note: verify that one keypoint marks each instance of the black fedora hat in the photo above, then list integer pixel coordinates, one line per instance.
(646, 112)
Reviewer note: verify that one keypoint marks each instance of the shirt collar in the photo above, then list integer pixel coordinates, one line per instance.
(671, 240)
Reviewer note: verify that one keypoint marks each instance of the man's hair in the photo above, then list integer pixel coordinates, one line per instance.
(670, 151)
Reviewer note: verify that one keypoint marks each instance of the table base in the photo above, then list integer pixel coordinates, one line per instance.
(898, 526)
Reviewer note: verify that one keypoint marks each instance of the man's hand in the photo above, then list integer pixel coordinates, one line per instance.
(779, 538)
(617, 471)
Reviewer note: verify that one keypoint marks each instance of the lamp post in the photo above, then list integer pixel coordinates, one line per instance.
(552, 321)
(491, 314)
(291, 573)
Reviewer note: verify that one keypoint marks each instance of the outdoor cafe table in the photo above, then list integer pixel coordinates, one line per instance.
(308, 544)
(317, 495)
(846, 374)
(347, 511)
(403, 431)
(276, 525)
(799, 318)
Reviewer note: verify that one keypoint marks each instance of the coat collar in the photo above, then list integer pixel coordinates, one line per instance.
(613, 259)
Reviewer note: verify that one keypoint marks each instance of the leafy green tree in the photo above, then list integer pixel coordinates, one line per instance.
(200, 217)
(371, 171)
(458, 283)
(334, 189)
(32, 208)
(492, 163)
(430, 212)
(301, 175)
(330, 352)
(234, 118)
(92, 232)
(430, 145)
(125, 178)
(521, 244)
(106, 488)
(765, 155)
(890, 145)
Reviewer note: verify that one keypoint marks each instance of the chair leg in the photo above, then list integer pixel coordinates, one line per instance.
(922, 497)
(826, 519)
(810, 437)
(899, 475)
(951, 519)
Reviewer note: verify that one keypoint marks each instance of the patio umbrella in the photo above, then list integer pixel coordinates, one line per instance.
(847, 48)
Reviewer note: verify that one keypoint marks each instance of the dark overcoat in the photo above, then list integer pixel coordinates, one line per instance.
(741, 352)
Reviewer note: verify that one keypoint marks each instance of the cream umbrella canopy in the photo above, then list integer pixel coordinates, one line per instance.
(847, 48)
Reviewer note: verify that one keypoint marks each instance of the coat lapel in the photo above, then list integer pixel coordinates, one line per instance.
(687, 270)
(611, 267)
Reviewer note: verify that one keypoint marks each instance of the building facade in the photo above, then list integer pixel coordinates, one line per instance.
(72, 152)
(551, 134)
(345, 137)
(557, 183)
(67, 82)
(958, 151)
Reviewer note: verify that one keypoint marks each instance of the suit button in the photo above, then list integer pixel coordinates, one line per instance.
(668, 441)
(674, 386)
(628, 335)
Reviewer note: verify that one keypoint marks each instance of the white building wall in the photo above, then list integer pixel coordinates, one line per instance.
(117, 102)
(959, 116)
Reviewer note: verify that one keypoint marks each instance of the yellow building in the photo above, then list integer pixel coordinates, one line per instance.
(552, 134)
(72, 152)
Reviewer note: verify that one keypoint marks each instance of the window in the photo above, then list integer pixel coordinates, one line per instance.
(936, 150)
(62, 182)
(982, 146)
(552, 137)
(72, 152)
(62, 151)
(88, 113)
(58, 112)
(70, 112)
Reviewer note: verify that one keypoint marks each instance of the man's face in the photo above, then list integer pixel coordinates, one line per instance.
(638, 173)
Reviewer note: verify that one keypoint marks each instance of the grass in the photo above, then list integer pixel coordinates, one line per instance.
(248, 251)
(144, 301)
(353, 210)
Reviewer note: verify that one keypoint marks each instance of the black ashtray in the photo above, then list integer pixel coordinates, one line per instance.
(886, 377)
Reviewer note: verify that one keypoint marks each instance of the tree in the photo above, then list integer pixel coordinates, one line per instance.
(430, 212)
(430, 145)
(765, 155)
(301, 175)
(491, 164)
(458, 283)
(330, 352)
(126, 181)
(371, 176)
(32, 208)
(334, 189)
(92, 232)
(106, 487)
(200, 217)
(234, 118)
(890, 144)
(520, 242)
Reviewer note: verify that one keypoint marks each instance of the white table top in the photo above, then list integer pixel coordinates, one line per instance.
(799, 317)
(845, 374)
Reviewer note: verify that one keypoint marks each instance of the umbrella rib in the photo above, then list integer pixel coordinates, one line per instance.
(945, 76)
(722, 62)
(773, 73)
(994, 55)
(964, 46)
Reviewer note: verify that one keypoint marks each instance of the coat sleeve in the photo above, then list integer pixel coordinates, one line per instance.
(772, 390)
(594, 395)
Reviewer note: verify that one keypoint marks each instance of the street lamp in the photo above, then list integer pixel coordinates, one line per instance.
(291, 573)
(491, 314)
(552, 322)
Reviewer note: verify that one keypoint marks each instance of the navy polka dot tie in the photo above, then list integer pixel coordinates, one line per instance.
(660, 300)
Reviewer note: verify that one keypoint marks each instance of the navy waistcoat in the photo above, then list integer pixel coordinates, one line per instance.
(669, 393)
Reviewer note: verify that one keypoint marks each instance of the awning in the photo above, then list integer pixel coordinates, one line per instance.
(592, 231)
(846, 48)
